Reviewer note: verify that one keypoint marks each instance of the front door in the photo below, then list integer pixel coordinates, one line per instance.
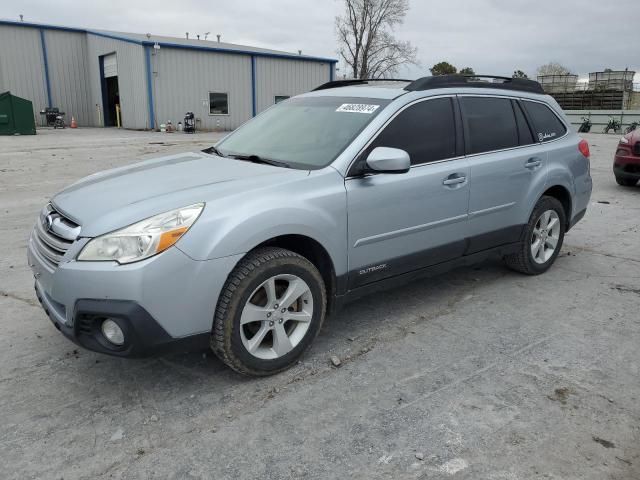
(404, 222)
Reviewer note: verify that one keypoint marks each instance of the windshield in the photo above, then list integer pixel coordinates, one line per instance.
(304, 133)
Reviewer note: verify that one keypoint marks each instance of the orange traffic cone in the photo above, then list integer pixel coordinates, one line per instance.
(74, 124)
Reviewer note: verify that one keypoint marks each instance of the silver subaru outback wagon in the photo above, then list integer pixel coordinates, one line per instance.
(246, 246)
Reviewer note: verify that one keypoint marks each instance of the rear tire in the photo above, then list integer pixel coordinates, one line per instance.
(269, 312)
(626, 182)
(541, 239)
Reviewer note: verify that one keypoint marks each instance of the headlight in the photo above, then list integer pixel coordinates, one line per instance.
(624, 140)
(143, 239)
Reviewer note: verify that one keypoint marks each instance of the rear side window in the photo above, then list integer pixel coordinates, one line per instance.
(524, 132)
(546, 124)
(426, 131)
(490, 124)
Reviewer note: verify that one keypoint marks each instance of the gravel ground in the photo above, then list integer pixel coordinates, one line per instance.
(478, 374)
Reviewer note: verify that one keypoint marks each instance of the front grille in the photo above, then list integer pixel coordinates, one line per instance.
(53, 235)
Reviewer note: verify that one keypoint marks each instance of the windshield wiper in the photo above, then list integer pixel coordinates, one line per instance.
(215, 151)
(258, 159)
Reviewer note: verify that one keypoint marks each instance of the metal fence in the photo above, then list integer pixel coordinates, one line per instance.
(558, 83)
(620, 81)
(600, 118)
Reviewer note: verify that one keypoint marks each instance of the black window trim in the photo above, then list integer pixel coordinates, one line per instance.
(506, 97)
(515, 103)
(537, 142)
(458, 133)
(567, 127)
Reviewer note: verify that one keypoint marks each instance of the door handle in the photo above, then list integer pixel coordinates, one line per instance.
(533, 162)
(454, 179)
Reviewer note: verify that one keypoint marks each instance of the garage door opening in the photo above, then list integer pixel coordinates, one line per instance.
(110, 90)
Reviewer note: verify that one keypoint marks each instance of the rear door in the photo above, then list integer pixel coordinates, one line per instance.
(505, 162)
(404, 222)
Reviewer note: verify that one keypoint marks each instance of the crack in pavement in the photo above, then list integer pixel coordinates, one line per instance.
(476, 372)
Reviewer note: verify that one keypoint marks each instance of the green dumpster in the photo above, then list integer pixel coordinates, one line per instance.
(16, 115)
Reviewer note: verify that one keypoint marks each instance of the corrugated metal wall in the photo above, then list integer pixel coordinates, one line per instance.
(67, 60)
(287, 77)
(132, 80)
(183, 79)
(21, 65)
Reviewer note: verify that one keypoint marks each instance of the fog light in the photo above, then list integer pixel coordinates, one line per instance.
(112, 332)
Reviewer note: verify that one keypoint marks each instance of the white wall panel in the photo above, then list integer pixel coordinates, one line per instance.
(276, 76)
(183, 79)
(22, 66)
(67, 61)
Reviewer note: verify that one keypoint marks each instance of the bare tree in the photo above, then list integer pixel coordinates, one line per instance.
(553, 68)
(367, 43)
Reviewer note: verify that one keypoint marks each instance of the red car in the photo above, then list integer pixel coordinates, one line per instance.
(626, 163)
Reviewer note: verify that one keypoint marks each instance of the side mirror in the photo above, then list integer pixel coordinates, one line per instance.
(388, 160)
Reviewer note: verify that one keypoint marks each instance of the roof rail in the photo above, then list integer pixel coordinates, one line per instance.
(475, 81)
(356, 81)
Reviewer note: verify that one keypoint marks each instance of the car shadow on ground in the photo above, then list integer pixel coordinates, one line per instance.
(356, 328)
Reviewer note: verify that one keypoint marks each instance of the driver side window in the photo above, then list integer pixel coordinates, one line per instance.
(425, 130)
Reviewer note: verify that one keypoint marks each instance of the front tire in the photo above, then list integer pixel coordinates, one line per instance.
(269, 312)
(541, 240)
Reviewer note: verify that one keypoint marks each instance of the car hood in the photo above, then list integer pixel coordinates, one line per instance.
(115, 198)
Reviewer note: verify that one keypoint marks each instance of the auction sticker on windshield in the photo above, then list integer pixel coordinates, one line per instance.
(357, 108)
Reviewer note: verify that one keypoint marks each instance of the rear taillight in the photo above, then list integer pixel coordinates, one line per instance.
(583, 146)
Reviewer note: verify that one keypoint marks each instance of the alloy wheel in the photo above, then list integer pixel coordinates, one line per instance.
(276, 316)
(545, 237)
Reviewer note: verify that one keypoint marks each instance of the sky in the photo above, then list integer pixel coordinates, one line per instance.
(491, 36)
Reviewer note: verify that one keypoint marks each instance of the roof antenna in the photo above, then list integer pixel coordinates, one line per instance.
(187, 35)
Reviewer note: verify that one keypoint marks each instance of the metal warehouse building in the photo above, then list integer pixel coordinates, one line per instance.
(154, 79)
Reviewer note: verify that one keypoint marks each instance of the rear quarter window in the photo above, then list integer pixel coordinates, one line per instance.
(546, 123)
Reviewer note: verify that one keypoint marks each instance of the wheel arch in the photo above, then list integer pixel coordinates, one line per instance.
(312, 250)
(562, 194)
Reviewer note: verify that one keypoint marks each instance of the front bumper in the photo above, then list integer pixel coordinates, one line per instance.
(162, 303)
(627, 171)
(143, 335)
(626, 164)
